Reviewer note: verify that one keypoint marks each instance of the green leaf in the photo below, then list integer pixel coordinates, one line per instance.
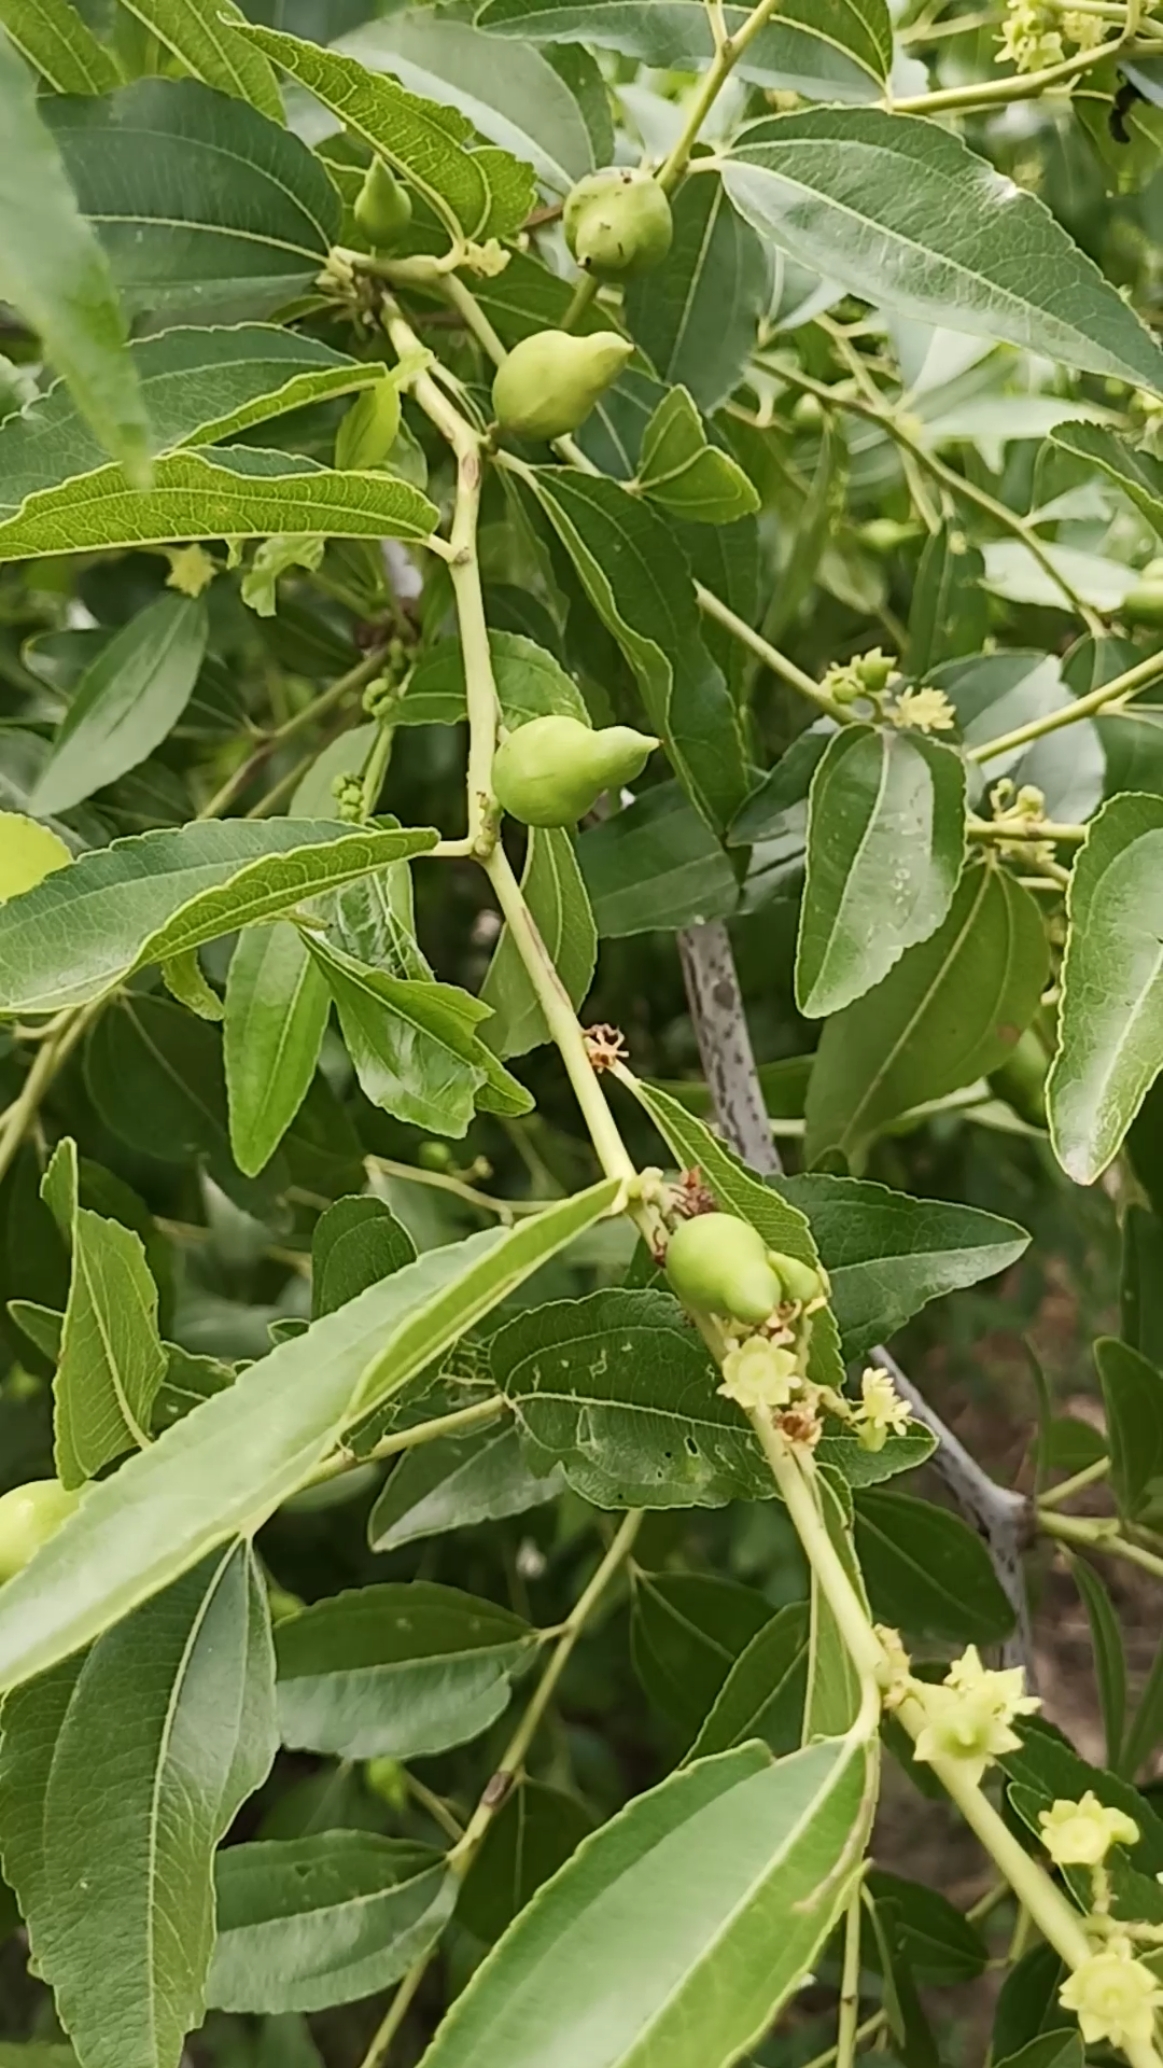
(1049, 2050)
(355, 1244)
(701, 1906)
(198, 32)
(53, 270)
(534, 1834)
(556, 896)
(111, 1356)
(940, 1943)
(530, 684)
(55, 38)
(655, 865)
(240, 493)
(457, 1481)
(825, 51)
(121, 1770)
(510, 93)
(159, 894)
(277, 1006)
(927, 1572)
(420, 140)
(401, 1670)
(197, 385)
(832, 1693)
(949, 1013)
(1138, 474)
(1110, 1666)
(738, 1190)
(687, 1631)
(696, 318)
(202, 204)
(681, 471)
(305, 1923)
(764, 1692)
(1110, 1022)
(900, 212)
(244, 1451)
(888, 1254)
(637, 581)
(617, 1389)
(126, 703)
(1132, 1392)
(886, 840)
(414, 1044)
(1141, 1287)
(949, 613)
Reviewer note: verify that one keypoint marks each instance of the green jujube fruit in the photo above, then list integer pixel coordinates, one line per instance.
(551, 771)
(29, 1516)
(368, 431)
(383, 208)
(617, 222)
(550, 382)
(719, 1264)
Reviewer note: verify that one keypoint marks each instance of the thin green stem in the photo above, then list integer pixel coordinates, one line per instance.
(848, 2021)
(355, 679)
(473, 316)
(778, 662)
(397, 2011)
(726, 57)
(436, 1807)
(871, 2029)
(1022, 86)
(18, 1117)
(1067, 1488)
(1023, 831)
(506, 1210)
(455, 1424)
(1098, 1533)
(1129, 684)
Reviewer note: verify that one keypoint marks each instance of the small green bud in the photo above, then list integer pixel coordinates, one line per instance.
(719, 1264)
(368, 431)
(550, 382)
(387, 1779)
(617, 222)
(434, 1156)
(29, 1516)
(383, 208)
(800, 1281)
(551, 771)
(874, 670)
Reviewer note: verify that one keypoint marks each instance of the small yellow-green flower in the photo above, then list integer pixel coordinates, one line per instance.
(1114, 1996)
(969, 1716)
(760, 1374)
(1080, 1834)
(882, 1413)
(923, 710)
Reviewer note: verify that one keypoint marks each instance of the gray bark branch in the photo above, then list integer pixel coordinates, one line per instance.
(1000, 1516)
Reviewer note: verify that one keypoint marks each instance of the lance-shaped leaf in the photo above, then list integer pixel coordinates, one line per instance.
(111, 1359)
(455, 1481)
(402, 1670)
(304, 1923)
(126, 703)
(530, 684)
(160, 894)
(1132, 1391)
(277, 1006)
(696, 318)
(57, 40)
(199, 33)
(763, 1694)
(241, 493)
(886, 839)
(54, 271)
(950, 1012)
(121, 1770)
(824, 51)
(198, 386)
(143, 162)
(1138, 474)
(701, 1906)
(1110, 1022)
(636, 578)
(680, 469)
(556, 896)
(927, 1572)
(900, 212)
(423, 141)
(227, 1465)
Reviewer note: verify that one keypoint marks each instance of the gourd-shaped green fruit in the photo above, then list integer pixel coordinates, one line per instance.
(367, 433)
(1143, 605)
(617, 221)
(383, 208)
(1021, 1079)
(29, 1516)
(720, 1265)
(799, 1281)
(552, 770)
(550, 382)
